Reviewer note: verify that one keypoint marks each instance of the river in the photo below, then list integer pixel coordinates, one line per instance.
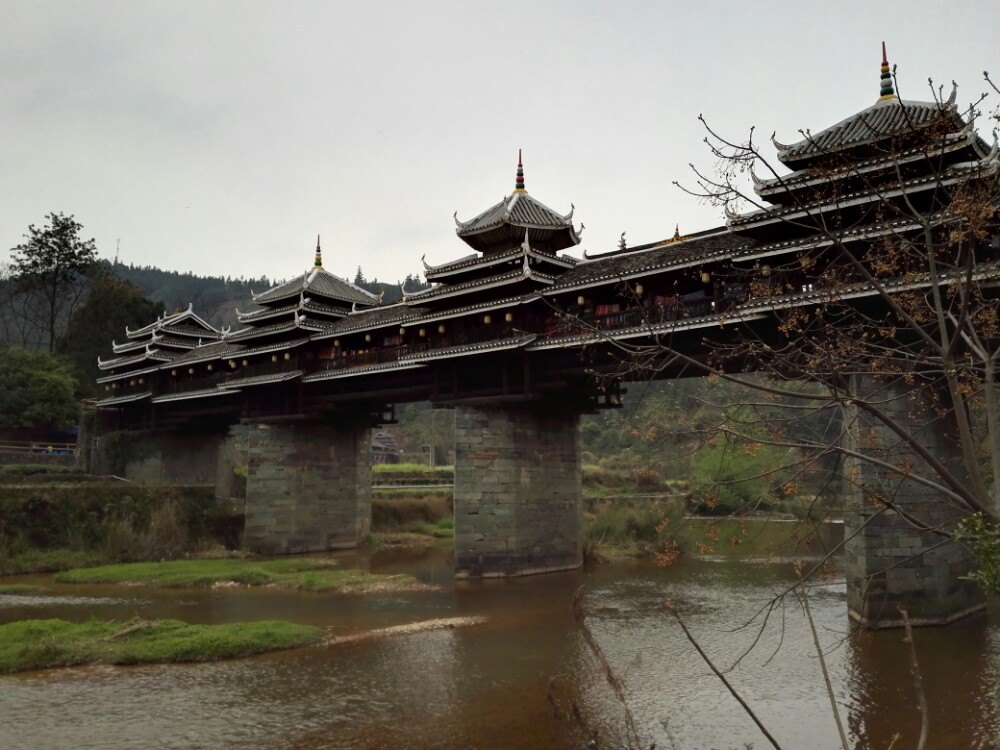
(485, 686)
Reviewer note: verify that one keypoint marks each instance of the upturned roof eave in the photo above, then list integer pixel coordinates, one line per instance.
(807, 177)
(763, 216)
(485, 261)
(809, 148)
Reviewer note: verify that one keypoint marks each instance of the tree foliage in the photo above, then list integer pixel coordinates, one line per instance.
(36, 392)
(110, 306)
(53, 264)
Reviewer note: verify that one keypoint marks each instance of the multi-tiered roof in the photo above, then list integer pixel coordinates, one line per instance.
(517, 243)
(147, 349)
(878, 165)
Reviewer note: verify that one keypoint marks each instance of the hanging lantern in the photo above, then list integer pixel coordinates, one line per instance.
(402, 330)
(423, 332)
(142, 381)
(288, 356)
(131, 382)
(765, 271)
(114, 386)
(107, 388)
(368, 337)
(581, 301)
(336, 343)
(190, 371)
(232, 364)
(509, 317)
(173, 373)
(246, 362)
(487, 319)
(274, 357)
(638, 290)
(211, 367)
(441, 328)
(705, 277)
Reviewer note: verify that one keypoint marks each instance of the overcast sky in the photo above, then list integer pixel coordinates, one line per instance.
(221, 137)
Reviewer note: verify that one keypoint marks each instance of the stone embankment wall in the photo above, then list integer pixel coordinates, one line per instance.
(517, 492)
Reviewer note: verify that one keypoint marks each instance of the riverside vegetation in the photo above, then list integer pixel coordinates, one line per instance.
(291, 573)
(41, 644)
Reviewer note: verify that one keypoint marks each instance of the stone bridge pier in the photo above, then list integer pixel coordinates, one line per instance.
(308, 487)
(897, 556)
(517, 491)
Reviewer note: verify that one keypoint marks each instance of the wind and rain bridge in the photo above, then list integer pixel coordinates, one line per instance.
(521, 339)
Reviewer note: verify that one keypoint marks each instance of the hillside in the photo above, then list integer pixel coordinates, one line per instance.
(216, 298)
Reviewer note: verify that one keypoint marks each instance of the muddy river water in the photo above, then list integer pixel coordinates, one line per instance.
(485, 686)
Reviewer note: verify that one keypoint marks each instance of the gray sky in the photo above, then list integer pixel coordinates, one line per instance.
(221, 137)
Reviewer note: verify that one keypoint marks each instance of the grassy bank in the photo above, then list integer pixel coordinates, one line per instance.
(662, 529)
(48, 527)
(301, 574)
(40, 644)
(19, 588)
(411, 519)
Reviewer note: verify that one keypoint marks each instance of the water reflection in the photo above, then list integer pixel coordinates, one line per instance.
(485, 686)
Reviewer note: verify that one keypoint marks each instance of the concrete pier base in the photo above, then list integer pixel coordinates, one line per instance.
(517, 492)
(895, 556)
(308, 487)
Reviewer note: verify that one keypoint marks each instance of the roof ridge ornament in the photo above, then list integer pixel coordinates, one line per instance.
(459, 224)
(568, 218)
(519, 179)
(886, 91)
(622, 245)
(318, 262)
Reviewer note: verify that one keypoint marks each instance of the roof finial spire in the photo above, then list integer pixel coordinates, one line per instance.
(318, 263)
(886, 91)
(519, 181)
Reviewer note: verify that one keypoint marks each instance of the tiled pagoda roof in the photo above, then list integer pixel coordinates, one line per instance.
(519, 209)
(888, 118)
(950, 143)
(514, 218)
(185, 322)
(321, 283)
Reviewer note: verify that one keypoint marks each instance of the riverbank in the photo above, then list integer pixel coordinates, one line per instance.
(54, 519)
(42, 644)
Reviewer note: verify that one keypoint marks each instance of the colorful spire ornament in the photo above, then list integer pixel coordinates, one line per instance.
(318, 263)
(519, 180)
(886, 91)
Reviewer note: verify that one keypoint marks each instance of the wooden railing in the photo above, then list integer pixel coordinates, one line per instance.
(38, 447)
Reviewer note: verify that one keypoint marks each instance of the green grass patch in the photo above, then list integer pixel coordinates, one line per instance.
(40, 644)
(19, 588)
(398, 472)
(292, 573)
(47, 560)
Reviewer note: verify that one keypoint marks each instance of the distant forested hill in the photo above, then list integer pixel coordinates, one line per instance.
(216, 297)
